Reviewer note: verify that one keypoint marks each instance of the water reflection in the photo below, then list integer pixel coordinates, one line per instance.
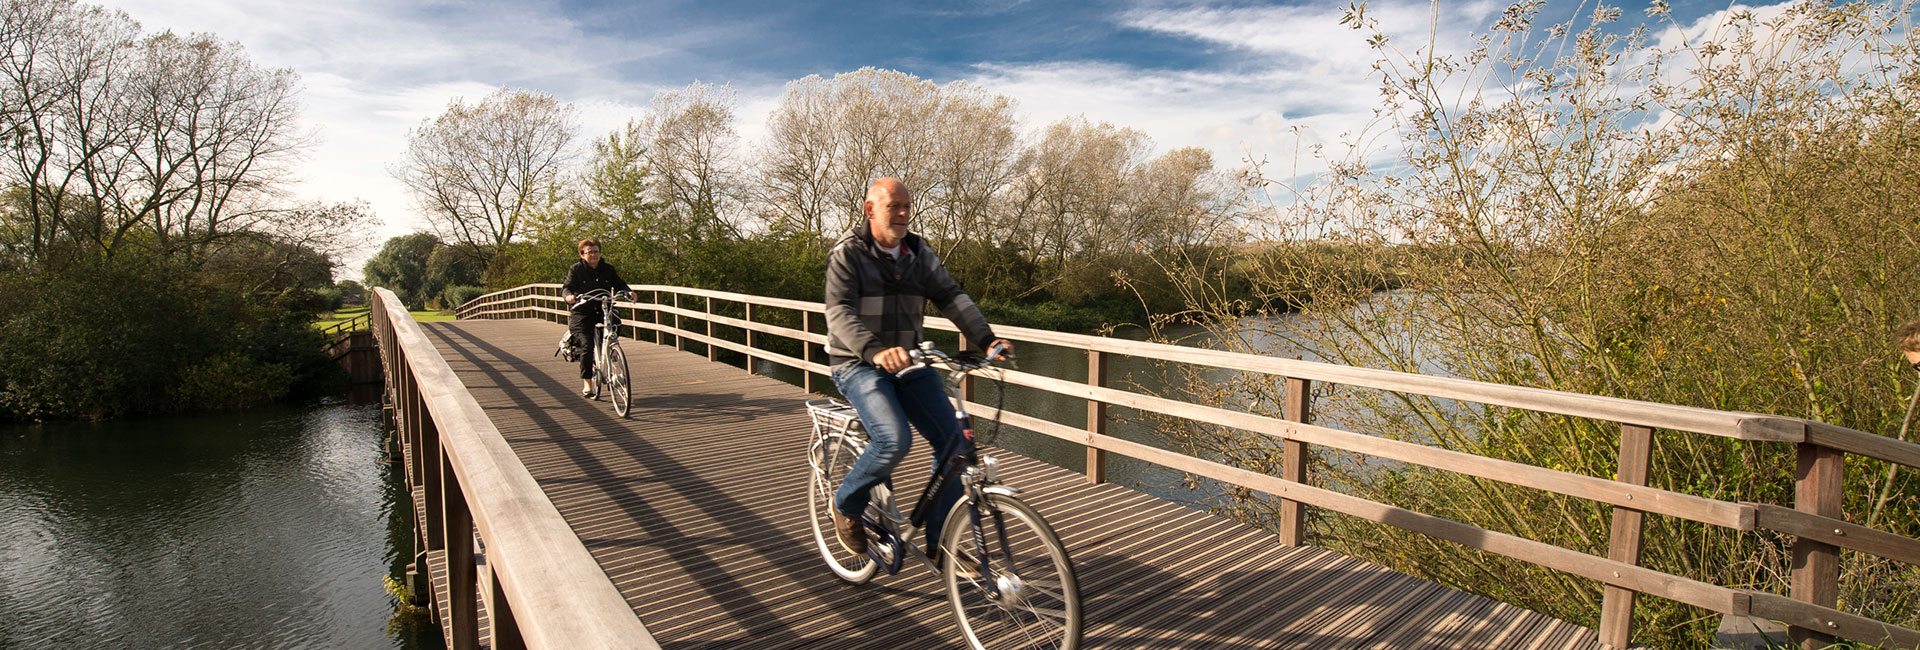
(269, 528)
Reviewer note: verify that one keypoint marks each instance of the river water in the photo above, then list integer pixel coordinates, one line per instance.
(269, 528)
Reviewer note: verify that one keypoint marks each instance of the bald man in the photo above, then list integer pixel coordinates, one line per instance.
(879, 278)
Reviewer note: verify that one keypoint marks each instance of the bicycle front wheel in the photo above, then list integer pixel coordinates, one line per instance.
(619, 388)
(831, 458)
(1026, 597)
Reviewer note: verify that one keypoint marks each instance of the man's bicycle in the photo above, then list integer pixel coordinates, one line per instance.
(610, 376)
(1006, 573)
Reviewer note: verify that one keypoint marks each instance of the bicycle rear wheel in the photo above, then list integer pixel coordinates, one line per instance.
(831, 458)
(1027, 597)
(619, 383)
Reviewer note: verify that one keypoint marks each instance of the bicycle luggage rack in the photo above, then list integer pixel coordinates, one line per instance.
(833, 415)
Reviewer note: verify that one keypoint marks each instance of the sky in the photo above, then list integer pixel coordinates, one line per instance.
(1243, 79)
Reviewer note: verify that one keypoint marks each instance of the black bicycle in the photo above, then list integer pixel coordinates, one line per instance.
(1006, 573)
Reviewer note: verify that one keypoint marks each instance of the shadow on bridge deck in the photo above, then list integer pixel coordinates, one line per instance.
(696, 508)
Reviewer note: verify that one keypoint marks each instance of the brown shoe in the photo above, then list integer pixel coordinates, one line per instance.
(852, 533)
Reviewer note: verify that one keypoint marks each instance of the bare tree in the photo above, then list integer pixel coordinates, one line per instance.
(109, 133)
(479, 171)
(953, 145)
(695, 160)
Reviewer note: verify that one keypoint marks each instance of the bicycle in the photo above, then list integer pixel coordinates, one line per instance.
(1006, 573)
(610, 376)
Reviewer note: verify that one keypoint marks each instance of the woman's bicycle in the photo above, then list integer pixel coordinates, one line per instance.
(610, 375)
(1006, 573)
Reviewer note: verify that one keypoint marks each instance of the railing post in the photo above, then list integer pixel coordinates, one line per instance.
(966, 379)
(1096, 416)
(1816, 565)
(1293, 514)
(678, 342)
(1616, 605)
(750, 338)
(503, 632)
(806, 324)
(463, 616)
(428, 463)
(713, 352)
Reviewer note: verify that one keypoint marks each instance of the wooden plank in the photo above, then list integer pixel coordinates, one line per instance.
(1745, 426)
(1692, 592)
(1293, 514)
(1863, 443)
(1666, 502)
(1832, 622)
(1616, 608)
(1838, 532)
(1096, 416)
(462, 618)
(1818, 483)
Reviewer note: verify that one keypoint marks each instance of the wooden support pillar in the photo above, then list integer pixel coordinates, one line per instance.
(1293, 514)
(416, 422)
(427, 460)
(463, 616)
(1096, 417)
(678, 343)
(503, 630)
(713, 351)
(750, 339)
(1616, 606)
(1816, 565)
(806, 323)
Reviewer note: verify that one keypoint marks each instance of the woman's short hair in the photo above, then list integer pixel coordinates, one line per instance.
(585, 243)
(1908, 336)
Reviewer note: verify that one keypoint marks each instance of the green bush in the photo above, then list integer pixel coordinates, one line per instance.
(161, 339)
(232, 381)
(455, 296)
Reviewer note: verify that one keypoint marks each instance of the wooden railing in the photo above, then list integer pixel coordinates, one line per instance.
(1815, 519)
(542, 588)
(349, 326)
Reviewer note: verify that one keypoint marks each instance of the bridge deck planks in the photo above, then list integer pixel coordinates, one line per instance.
(696, 508)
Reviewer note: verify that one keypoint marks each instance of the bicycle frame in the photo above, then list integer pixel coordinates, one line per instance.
(606, 332)
(960, 457)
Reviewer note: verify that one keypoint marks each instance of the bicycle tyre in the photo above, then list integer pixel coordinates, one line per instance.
(830, 461)
(1039, 601)
(619, 381)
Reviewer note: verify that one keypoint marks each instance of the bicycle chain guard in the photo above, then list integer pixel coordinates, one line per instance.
(877, 535)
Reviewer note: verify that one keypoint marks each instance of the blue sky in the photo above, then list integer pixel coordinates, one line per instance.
(1240, 78)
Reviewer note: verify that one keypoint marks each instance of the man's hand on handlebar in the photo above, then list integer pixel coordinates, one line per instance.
(1001, 350)
(893, 359)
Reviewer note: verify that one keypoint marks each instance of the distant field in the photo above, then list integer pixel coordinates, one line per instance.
(425, 316)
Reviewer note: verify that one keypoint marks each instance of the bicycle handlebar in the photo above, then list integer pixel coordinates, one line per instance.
(598, 294)
(926, 357)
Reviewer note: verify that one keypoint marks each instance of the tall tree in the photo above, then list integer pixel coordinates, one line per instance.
(181, 139)
(953, 145)
(401, 267)
(480, 171)
(693, 156)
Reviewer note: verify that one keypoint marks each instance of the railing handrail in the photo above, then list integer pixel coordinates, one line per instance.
(348, 326)
(1810, 524)
(557, 592)
(1729, 424)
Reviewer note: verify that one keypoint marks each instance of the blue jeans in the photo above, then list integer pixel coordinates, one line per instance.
(886, 405)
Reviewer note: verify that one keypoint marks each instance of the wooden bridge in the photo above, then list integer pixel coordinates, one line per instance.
(547, 522)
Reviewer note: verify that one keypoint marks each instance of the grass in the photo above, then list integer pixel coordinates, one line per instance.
(423, 316)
